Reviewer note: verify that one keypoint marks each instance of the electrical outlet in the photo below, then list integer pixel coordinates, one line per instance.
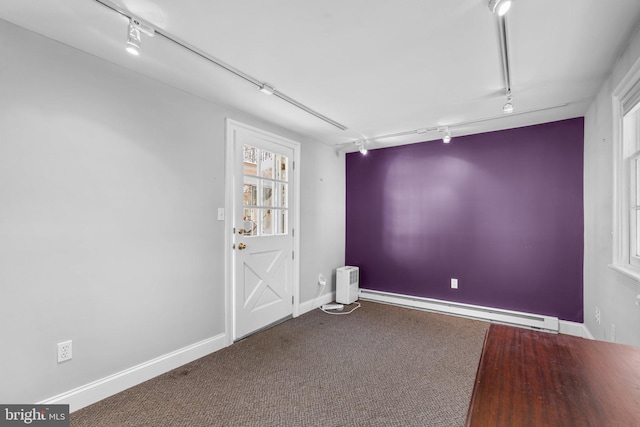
(454, 283)
(322, 281)
(64, 351)
(598, 316)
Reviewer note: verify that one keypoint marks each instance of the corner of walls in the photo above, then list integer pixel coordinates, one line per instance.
(323, 298)
(322, 234)
(574, 328)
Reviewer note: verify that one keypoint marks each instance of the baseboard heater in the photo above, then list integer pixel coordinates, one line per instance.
(533, 321)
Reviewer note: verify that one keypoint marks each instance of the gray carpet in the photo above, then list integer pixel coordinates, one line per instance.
(379, 366)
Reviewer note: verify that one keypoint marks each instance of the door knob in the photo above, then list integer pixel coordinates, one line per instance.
(242, 246)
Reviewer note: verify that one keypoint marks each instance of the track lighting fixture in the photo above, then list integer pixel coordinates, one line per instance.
(447, 136)
(150, 31)
(445, 131)
(266, 89)
(361, 147)
(508, 106)
(499, 7)
(134, 39)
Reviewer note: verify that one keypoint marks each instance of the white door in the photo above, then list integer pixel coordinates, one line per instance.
(263, 231)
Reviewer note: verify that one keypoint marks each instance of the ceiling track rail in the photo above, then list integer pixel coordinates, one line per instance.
(504, 53)
(450, 126)
(227, 67)
(303, 107)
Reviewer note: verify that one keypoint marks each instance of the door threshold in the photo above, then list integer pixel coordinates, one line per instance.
(264, 328)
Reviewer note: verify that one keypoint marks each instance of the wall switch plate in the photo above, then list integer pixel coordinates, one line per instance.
(65, 351)
(220, 214)
(454, 283)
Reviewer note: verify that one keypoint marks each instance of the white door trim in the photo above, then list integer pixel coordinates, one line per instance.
(229, 271)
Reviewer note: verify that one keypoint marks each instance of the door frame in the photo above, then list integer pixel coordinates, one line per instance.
(229, 236)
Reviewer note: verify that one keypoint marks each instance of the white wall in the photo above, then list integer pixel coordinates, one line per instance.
(323, 178)
(109, 187)
(613, 293)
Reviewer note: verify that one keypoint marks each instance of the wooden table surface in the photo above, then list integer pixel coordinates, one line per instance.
(531, 378)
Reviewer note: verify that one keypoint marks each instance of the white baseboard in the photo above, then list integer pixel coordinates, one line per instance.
(575, 329)
(307, 306)
(93, 392)
(530, 320)
(586, 333)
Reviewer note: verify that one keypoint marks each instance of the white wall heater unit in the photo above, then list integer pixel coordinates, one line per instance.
(527, 320)
(347, 284)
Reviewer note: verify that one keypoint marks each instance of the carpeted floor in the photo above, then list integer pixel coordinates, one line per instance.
(379, 366)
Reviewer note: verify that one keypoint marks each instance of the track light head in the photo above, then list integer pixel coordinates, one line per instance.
(447, 137)
(361, 147)
(499, 7)
(446, 134)
(508, 106)
(133, 40)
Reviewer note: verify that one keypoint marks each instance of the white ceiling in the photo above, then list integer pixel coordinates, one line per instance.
(378, 67)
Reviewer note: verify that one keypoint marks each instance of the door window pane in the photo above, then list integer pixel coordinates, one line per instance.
(281, 167)
(283, 201)
(282, 222)
(250, 191)
(266, 167)
(250, 160)
(265, 193)
(250, 222)
(266, 222)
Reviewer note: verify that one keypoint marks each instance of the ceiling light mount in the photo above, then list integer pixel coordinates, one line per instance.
(446, 134)
(500, 7)
(508, 106)
(362, 147)
(267, 89)
(134, 38)
(133, 41)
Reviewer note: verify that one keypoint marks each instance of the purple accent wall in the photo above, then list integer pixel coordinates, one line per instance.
(501, 211)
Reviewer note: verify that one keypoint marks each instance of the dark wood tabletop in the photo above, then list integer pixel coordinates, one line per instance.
(532, 378)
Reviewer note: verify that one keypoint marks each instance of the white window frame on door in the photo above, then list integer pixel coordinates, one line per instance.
(634, 204)
(626, 148)
(230, 187)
